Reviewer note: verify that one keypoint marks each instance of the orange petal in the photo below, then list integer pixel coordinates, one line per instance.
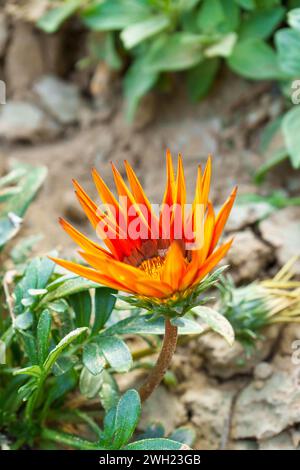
(135, 279)
(222, 219)
(82, 240)
(206, 183)
(212, 261)
(90, 274)
(175, 266)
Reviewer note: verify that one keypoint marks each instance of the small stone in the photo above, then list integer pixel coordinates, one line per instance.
(282, 230)
(281, 442)
(59, 98)
(244, 215)
(163, 407)
(258, 384)
(224, 361)
(209, 408)
(3, 33)
(24, 60)
(23, 121)
(264, 413)
(248, 256)
(263, 371)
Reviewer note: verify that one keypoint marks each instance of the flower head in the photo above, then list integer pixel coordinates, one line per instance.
(150, 254)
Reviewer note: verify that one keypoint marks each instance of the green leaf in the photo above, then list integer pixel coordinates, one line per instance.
(89, 384)
(218, 16)
(23, 321)
(137, 83)
(127, 415)
(144, 325)
(110, 53)
(109, 393)
(261, 23)
(34, 371)
(15, 208)
(223, 47)
(81, 303)
(115, 15)
(173, 52)
(138, 32)
(216, 322)
(116, 352)
(275, 158)
(201, 77)
(105, 300)
(290, 129)
(61, 346)
(288, 45)
(63, 365)
(293, 18)
(54, 18)
(43, 335)
(93, 359)
(246, 4)
(184, 434)
(155, 444)
(255, 59)
(65, 287)
(29, 346)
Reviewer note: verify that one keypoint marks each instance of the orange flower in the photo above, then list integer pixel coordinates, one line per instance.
(153, 263)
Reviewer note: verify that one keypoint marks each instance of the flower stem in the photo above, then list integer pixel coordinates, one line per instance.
(163, 361)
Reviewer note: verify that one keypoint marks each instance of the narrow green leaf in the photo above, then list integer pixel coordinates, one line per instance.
(54, 18)
(105, 300)
(126, 418)
(119, 14)
(81, 303)
(34, 371)
(138, 32)
(43, 335)
(156, 444)
(216, 322)
(173, 52)
(61, 346)
(137, 83)
(143, 324)
(66, 287)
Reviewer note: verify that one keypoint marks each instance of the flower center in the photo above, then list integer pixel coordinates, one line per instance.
(153, 266)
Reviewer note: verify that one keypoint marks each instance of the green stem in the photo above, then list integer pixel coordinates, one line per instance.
(163, 361)
(69, 440)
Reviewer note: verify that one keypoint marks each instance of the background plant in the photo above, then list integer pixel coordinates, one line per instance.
(149, 39)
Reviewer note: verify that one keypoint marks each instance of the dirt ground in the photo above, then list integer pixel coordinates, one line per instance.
(230, 403)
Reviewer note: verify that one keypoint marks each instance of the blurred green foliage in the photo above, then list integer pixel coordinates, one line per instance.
(257, 39)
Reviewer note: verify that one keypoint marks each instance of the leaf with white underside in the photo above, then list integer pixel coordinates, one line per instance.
(216, 322)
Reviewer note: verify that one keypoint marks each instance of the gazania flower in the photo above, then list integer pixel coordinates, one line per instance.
(154, 262)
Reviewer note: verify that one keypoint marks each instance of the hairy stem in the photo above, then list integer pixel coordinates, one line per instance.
(163, 361)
